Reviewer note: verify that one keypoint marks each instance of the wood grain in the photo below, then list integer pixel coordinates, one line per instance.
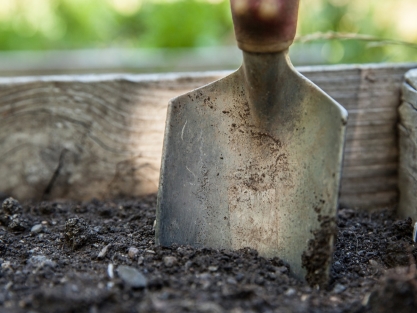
(371, 94)
(101, 136)
(407, 168)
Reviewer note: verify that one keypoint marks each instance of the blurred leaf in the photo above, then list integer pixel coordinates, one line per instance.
(81, 24)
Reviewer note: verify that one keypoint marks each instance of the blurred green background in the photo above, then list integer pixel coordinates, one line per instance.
(172, 25)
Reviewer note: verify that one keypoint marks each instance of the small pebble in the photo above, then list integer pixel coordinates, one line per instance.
(290, 292)
(103, 252)
(204, 276)
(339, 288)
(259, 280)
(36, 228)
(169, 261)
(133, 252)
(337, 266)
(131, 276)
(239, 276)
(188, 264)
(366, 298)
(213, 268)
(231, 281)
(283, 269)
(272, 276)
(40, 261)
(8, 285)
(6, 265)
(110, 271)
(150, 251)
(34, 250)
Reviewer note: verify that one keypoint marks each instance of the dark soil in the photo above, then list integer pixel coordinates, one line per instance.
(62, 256)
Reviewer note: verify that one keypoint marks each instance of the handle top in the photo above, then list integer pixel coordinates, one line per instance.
(264, 26)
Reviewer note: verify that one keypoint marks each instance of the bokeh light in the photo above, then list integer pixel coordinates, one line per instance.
(43, 25)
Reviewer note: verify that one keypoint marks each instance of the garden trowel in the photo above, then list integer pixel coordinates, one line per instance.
(254, 159)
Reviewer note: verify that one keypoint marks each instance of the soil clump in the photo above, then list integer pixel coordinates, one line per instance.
(100, 256)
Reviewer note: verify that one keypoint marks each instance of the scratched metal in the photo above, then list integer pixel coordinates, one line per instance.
(251, 160)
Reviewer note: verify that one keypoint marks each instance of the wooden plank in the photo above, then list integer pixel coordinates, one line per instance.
(364, 185)
(411, 80)
(358, 153)
(371, 95)
(371, 171)
(407, 177)
(88, 136)
(373, 200)
(367, 132)
(101, 135)
(378, 144)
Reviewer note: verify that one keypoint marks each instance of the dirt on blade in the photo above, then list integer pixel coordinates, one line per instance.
(318, 255)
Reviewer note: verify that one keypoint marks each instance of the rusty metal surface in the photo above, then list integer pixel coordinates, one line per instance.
(264, 26)
(253, 160)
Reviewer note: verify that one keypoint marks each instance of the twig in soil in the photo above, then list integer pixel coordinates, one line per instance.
(356, 237)
(55, 175)
(357, 242)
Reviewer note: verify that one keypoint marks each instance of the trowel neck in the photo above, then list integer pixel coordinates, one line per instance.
(265, 75)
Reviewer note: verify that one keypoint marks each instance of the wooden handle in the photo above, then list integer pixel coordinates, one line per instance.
(264, 26)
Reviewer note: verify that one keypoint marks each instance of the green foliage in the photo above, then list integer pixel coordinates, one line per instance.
(81, 24)
(186, 23)
(370, 17)
(57, 24)
(95, 23)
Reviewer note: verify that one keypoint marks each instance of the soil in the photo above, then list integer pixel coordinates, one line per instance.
(318, 255)
(99, 256)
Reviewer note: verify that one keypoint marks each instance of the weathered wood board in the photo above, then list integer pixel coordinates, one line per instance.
(101, 136)
(407, 168)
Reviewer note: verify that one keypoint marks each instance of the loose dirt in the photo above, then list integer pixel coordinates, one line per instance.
(96, 256)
